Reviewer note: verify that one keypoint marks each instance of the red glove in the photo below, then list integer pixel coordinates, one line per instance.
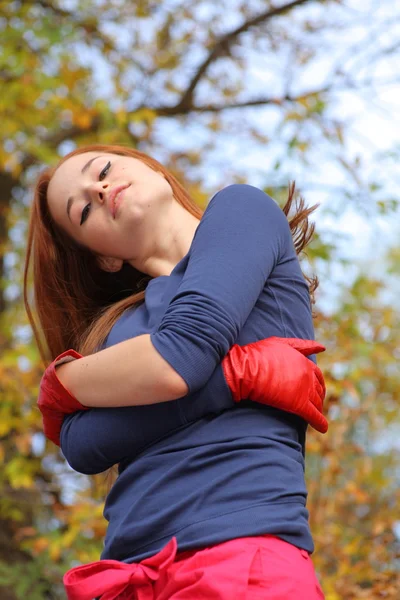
(276, 372)
(55, 401)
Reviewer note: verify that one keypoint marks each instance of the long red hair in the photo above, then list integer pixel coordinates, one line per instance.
(76, 302)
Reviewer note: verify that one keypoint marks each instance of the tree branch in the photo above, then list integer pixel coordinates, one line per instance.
(225, 41)
(169, 111)
(166, 111)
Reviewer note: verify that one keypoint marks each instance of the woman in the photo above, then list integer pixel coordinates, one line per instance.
(226, 481)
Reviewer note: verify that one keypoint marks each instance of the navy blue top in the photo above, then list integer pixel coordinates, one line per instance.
(202, 468)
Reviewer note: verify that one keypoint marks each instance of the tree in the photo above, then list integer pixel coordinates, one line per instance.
(192, 83)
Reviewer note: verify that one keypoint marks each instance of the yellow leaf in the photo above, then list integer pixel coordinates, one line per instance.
(143, 114)
(121, 117)
(55, 551)
(40, 545)
(83, 120)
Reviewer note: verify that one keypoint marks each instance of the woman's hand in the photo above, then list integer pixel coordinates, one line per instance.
(276, 372)
(55, 401)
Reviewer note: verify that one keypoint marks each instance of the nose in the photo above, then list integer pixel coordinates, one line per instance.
(98, 191)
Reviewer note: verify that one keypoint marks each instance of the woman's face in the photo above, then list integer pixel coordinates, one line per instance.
(108, 203)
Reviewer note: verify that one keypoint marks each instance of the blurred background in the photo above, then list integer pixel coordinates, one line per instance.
(220, 91)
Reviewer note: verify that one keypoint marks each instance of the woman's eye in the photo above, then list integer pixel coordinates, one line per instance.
(85, 213)
(104, 171)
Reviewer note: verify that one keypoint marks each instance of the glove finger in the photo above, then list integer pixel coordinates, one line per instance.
(321, 380)
(317, 420)
(315, 397)
(305, 347)
(317, 394)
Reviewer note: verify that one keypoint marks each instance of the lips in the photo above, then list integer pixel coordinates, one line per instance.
(115, 197)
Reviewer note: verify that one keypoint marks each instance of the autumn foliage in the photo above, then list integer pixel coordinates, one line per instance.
(175, 79)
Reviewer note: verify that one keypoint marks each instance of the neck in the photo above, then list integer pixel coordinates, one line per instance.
(173, 238)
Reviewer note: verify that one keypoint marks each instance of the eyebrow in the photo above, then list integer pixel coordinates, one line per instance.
(71, 199)
(89, 162)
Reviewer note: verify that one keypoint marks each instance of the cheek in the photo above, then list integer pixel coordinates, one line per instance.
(165, 186)
(99, 238)
(159, 191)
(110, 239)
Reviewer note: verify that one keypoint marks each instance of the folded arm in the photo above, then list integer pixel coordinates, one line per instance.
(96, 439)
(130, 373)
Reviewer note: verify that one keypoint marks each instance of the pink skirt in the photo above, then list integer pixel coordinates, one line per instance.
(254, 568)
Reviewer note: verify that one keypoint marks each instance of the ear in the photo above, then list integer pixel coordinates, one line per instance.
(111, 265)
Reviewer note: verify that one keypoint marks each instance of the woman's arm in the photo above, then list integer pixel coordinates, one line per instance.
(237, 244)
(95, 440)
(130, 373)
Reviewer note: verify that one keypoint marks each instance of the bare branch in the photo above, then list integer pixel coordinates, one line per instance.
(277, 101)
(166, 111)
(225, 41)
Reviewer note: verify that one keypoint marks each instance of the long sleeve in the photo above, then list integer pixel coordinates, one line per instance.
(238, 242)
(93, 441)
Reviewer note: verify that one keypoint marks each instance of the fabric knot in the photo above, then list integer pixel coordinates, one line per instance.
(109, 579)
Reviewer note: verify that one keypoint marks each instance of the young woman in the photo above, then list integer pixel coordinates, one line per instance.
(221, 479)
